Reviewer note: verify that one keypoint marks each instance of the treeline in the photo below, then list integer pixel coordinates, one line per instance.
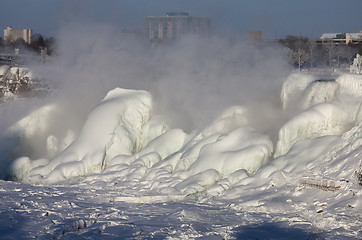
(308, 53)
(38, 44)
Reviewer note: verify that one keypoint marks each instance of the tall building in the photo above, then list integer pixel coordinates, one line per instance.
(174, 25)
(11, 35)
(255, 36)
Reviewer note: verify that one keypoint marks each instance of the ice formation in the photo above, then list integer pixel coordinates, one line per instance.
(112, 128)
(321, 120)
(293, 88)
(319, 91)
(120, 138)
(331, 108)
(123, 142)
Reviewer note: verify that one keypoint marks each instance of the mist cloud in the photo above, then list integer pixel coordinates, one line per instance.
(192, 80)
(195, 76)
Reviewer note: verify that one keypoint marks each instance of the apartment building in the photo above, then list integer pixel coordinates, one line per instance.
(174, 25)
(11, 35)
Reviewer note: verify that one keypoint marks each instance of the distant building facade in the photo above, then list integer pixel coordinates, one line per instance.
(11, 35)
(342, 38)
(255, 36)
(174, 25)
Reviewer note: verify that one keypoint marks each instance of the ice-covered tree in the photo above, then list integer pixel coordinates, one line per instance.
(296, 48)
(311, 48)
(330, 51)
(300, 56)
(349, 53)
(357, 65)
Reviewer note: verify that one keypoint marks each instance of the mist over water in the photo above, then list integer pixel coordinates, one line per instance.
(192, 80)
(199, 76)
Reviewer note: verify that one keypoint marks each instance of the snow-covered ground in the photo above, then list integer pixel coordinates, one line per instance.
(258, 167)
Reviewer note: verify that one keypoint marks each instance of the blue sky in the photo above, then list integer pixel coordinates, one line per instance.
(276, 18)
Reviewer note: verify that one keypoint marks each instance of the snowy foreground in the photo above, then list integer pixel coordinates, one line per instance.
(129, 175)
